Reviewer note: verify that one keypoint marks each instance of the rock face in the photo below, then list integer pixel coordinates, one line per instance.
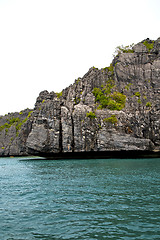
(14, 130)
(112, 109)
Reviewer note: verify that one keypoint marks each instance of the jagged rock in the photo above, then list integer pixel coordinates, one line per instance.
(76, 121)
(14, 130)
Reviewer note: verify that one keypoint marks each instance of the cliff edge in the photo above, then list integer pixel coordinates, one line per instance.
(113, 109)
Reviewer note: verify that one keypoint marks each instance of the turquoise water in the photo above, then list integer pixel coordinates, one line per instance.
(79, 199)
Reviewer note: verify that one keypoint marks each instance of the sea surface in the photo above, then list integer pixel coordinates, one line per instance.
(79, 199)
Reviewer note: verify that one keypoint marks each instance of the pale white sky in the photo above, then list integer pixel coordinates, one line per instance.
(47, 44)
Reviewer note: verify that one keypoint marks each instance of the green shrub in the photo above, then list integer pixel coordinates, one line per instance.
(128, 86)
(100, 107)
(137, 94)
(29, 115)
(112, 119)
(148, 45)
(97, 93)
(16, 122)
(148, 104)
(108, 87)
(101, 93)
(2, 127)
(115, 101)
(77, 81)
(9, 123)
(119, 98)
(124, 49)
(110, 69)
(18, 127)
(91, 115)
(113, 105)
(95, 68)
(59, 94)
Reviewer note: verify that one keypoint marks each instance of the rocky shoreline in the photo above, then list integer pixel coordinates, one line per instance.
(91, 155)
(114, 111)
(103, 155)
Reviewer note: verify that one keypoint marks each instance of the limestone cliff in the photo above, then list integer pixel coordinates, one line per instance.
(14, 130)
(116, 108)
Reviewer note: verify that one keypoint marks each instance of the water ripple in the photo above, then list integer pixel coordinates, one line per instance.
(84, 199)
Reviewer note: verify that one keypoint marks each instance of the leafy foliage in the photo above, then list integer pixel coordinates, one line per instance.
(18, 126)
(124, 49)
(139, 101)
(91, 115)
(114, 101)
(112, 119)
(9, 123)
(144, 97)
(95, 68)
(59, 94)
(110, 69)
(148, 104)
(77, 81)
(29, 114)
(137, 94)
(128, 86)
(148, 45)
(17, 122)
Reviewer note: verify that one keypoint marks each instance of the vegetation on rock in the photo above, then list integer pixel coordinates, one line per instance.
(112, 119)
(17, 122)
(91, 115)
(59, 94)
(137, 94)
(77, 100)
(110, 69)
(127, 87)
(124, 49)
(112, 101)
(95, 68)
(148, 104)
(77, 81)
(63, 127)
(9, 123)
(148, 45)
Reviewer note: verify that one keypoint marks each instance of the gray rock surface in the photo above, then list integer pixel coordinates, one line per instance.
(14, 131)
(60, 124)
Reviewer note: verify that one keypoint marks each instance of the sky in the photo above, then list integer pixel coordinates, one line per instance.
(47, 44)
